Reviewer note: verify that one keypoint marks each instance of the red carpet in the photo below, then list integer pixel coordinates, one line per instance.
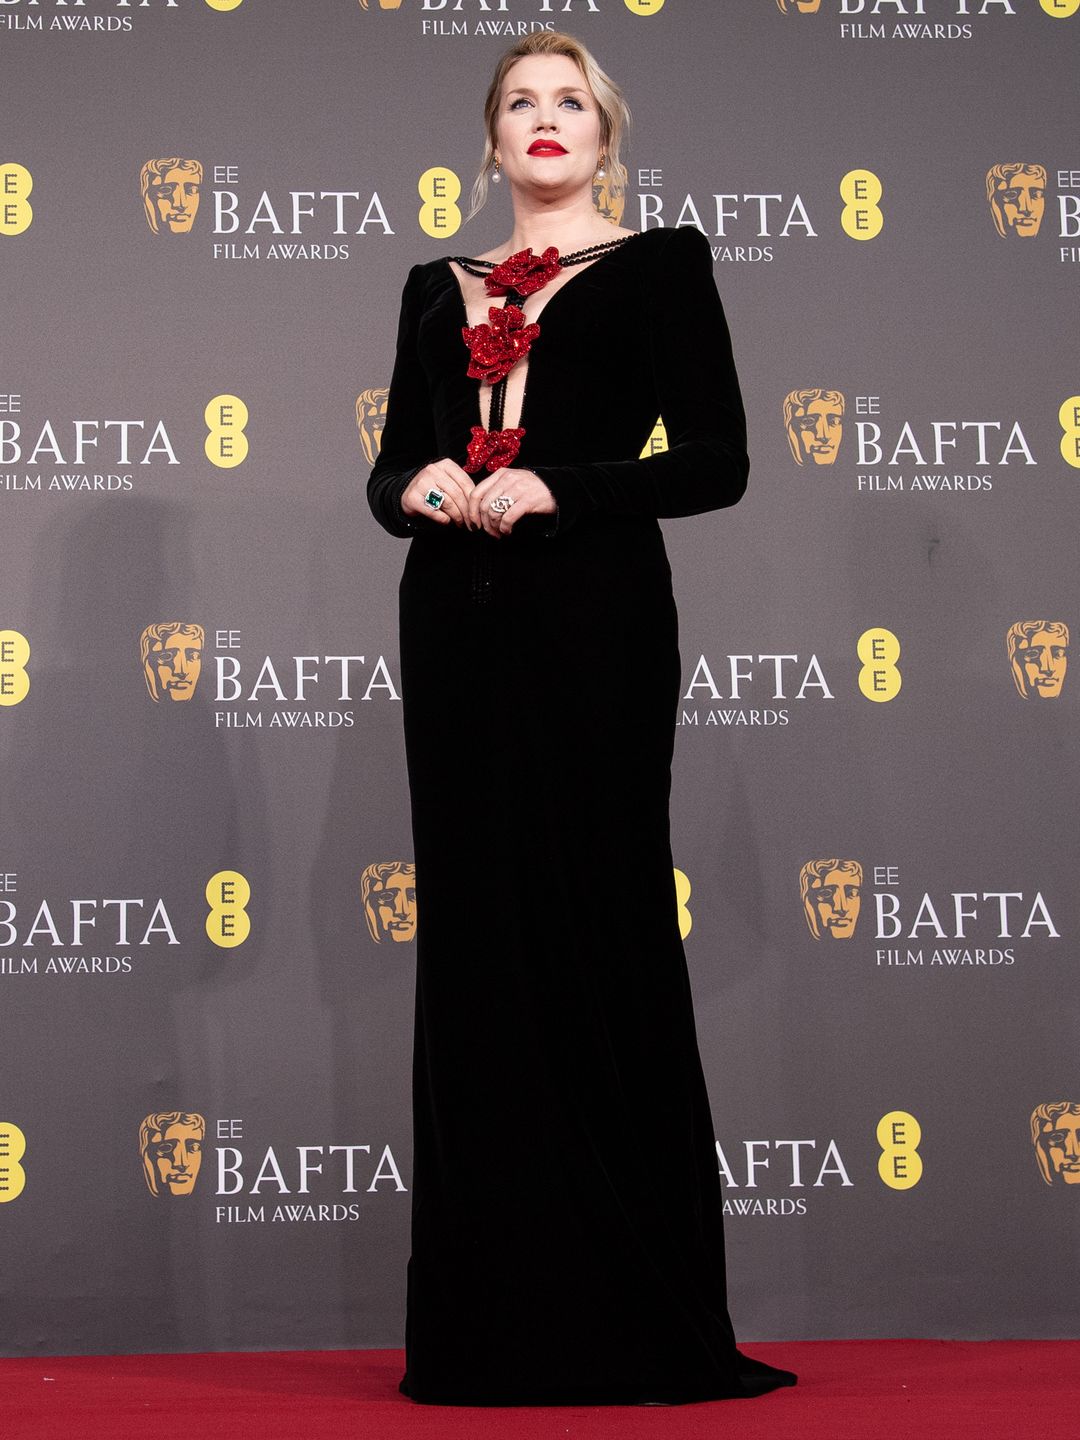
(848, 1390)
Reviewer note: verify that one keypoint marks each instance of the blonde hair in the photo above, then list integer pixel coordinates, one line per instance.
(614, 111)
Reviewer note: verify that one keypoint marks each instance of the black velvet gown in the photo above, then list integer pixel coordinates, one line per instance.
(567, 1243)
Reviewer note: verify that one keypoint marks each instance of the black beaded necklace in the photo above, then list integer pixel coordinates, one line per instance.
(578, 257)
(492, 448)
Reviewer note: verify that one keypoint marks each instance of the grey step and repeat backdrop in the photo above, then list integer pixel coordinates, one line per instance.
(207, 904)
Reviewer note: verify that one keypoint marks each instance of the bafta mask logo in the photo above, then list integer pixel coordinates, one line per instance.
(170, 194)
(1055, 1134)
(171, 1146)
(171, 656)
(388, 890)
(1039, 656)
(1017, 196)
(801, 7)
(814, 421)
(609, 197)
(383, 4)
(370, 419)
(831, 893)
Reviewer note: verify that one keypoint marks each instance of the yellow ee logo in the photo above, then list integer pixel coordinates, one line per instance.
(14, 653)
(16, 212)
(657, 442)
(682, 895)
(860, 191)
(224, 4)
(1069, 418)
(227, 894)
(644, 7)
(439, 188)
(12, 1149)
(1060, 9)
(226, 445)
(879, 650)
(899, 1164)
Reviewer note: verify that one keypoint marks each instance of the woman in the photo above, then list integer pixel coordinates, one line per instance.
(567, 1241)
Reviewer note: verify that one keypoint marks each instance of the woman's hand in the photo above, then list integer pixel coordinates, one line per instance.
(455, 485)
(528, 492)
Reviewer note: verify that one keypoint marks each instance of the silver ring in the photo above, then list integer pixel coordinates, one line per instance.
(501, 504)
(434, 498)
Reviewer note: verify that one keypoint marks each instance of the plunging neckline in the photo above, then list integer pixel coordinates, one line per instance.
(533, 319)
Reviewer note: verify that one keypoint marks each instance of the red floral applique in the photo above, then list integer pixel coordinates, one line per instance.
(496, 348)
(492, 449)
(524, 272)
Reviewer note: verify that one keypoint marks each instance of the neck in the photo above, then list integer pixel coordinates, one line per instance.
(567, 224)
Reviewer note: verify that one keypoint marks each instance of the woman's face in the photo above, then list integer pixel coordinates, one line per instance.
(547, 129)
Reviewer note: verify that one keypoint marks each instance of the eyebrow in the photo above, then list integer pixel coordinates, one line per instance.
(562, 90)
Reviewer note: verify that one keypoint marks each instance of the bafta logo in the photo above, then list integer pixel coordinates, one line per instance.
(383, 4)
(370, 419)
(609, 197)
(388, 891)
(170, 194)
(171, 1145)
(1017, 196)
(1038, 656)
(831, 893)
(1055, 1134)
(171, 656)
(814, 421)
(802, 7)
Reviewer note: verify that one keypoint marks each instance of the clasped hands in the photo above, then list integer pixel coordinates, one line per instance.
(468, 503)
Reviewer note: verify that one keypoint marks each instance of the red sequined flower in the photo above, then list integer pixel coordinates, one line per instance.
(496, 348)
(492, 449)
(523, 272)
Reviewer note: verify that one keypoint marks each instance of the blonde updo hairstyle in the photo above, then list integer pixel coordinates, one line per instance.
(614, 111)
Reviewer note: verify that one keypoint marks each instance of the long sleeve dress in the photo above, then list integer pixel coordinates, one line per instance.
(567, 1242)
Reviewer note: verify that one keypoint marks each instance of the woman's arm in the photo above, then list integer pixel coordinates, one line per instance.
(408, 438)
(697, 388)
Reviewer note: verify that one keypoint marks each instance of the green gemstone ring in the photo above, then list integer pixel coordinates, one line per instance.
(434, 498)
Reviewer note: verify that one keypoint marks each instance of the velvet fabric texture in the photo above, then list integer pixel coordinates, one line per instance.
(567, 1242)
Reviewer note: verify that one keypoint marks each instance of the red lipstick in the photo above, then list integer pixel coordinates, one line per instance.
(546, 147)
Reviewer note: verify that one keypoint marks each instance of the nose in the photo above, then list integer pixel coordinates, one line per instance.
(1072, 1144)
(821, 430)
(840, 906)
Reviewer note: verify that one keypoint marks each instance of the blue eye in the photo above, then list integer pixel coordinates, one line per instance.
(570, 100)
